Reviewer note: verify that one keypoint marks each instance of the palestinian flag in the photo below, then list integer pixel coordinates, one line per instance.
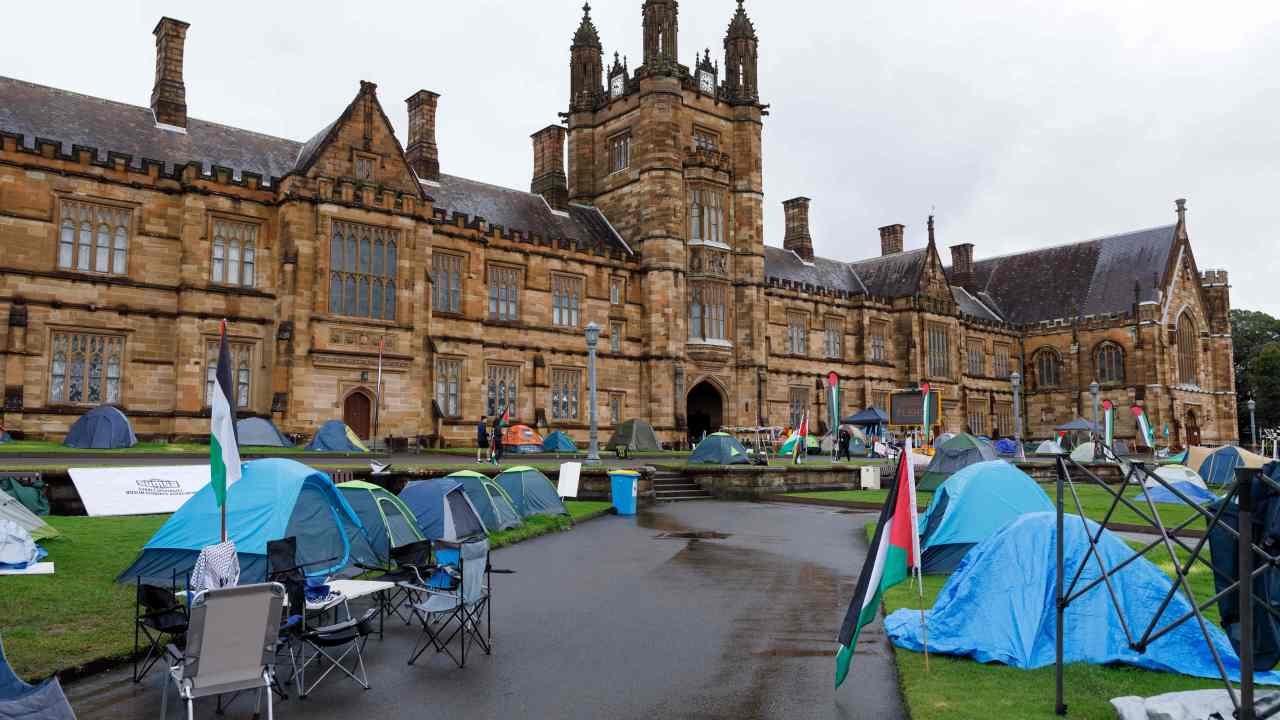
(506, 417)
(224, 451)
(1145, 432)
(1108, 423)
(894, 550)
(802, 439)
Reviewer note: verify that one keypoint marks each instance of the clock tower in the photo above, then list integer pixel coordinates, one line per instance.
(672, 157)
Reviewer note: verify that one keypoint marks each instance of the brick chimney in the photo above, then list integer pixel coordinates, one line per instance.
(798, 238)
(424, 156)
(962, 266)
(169, 95)
(549, 179)
(891, 239)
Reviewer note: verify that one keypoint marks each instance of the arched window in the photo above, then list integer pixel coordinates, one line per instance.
(1048, 368)
(1109, 363)
(1188, 353)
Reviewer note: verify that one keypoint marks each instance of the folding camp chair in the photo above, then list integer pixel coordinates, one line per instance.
(231, 645)
(456, 602)
(412, 565)
(161, 619)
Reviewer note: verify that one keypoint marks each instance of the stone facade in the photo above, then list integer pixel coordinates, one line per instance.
(118, 227)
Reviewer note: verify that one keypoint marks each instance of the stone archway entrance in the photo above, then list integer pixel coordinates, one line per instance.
(1192, 427)
(705, 410)
(357, 413)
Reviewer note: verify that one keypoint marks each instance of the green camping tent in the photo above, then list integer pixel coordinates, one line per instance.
(634, 436)
(531, 493)
(388, 522)
(953, 455)
(490, 500)
(720, 449)
(11, 509)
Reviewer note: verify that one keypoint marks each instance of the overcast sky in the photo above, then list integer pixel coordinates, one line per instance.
(1021, 123)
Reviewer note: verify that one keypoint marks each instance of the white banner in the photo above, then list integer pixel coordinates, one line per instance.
(137, 490)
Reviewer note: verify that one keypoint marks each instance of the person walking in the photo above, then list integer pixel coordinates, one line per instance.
(497, 440)
(845, 439)
(482, 441)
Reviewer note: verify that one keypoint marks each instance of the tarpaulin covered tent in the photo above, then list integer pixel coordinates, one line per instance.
(388, 522)
(260, 432)
(442, 510)
(1049, 447)
(971, 506)
(11, 509)
(1184, 479)
(521, 439)
(531, 493)
(489, 500)
(274, 499)
(335, 436)
(102, 428)
(720, 449)
(17, 549)
(999, 606)
(870, 417)
(21, 701)
(1006, 446)
(558, 442)
(1083, 453)
(635, 436)
(954, 455)
(1218, 467)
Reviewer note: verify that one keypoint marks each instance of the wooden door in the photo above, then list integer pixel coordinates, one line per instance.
(357, 414)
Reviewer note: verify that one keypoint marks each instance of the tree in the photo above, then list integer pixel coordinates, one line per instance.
(1251, 332)
(1264, 379)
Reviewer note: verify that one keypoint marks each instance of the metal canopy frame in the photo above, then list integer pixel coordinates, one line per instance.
(1168, 538)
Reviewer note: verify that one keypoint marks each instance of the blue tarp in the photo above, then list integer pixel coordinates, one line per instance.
(335, 436)
(971, 506)
(999, 606)
(1161, 495)
(558, 442)
(102, 428)
(274, 499)
(45, 701)
(1005, 446)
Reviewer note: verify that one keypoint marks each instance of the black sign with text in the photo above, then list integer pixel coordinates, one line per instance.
(907, 408)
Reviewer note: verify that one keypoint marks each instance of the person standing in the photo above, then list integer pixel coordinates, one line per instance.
(497, 440)
(845, 439)
(482, 441)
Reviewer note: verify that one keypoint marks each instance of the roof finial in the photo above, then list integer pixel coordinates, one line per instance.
(931, 229)
(1182, 209)
(586, 9)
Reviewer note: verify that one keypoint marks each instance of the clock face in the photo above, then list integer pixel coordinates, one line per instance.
(616, 85)
(707, 82)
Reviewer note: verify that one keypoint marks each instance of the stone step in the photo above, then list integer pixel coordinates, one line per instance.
(682, 498)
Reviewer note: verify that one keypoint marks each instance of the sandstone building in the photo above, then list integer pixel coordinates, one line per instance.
(127, 233)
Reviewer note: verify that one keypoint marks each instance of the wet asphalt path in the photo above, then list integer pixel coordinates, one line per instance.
(613, 621)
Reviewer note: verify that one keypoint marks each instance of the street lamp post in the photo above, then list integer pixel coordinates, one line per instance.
(593, 338)
(1093, 431)
(1016, 380)
(1253, 422)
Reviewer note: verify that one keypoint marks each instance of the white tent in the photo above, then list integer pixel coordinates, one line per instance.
(1084, 453)
(11, 509)
(1049, 447)
(1176, 474)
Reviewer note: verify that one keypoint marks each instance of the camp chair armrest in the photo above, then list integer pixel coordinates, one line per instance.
(175, 656)
(497, 571)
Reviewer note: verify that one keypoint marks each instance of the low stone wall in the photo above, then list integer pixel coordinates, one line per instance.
(747, 482)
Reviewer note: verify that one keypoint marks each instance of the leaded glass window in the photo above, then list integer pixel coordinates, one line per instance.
(362, 271)
(446, 276)
(448, 386)
(93, 238)
(566, 300)
(241, 372)
(503, 389)
(234, 252)
(86, 368)
(565, 389)
(504, 293)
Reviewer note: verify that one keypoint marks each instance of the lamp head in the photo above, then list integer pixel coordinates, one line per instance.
(593, 334)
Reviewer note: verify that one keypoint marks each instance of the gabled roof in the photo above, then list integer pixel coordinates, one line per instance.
(896, 275)
(36, 111)
(785, 265)
(524, 211)
(973, 306)
(1094, 277)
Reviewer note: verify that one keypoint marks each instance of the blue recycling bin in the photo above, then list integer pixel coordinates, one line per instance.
(623, 486)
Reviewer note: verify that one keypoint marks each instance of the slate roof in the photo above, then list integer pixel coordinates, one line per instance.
(896, 275)
(71, 119)
(974, 306)
(830, 274)
(1093, 277)
(523, 211)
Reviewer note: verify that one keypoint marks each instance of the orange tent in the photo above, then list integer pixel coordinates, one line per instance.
(519, 437)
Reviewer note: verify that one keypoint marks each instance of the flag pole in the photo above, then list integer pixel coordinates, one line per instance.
(915, 550)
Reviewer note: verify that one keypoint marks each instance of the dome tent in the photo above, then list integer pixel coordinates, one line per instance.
(442, 510)
(1184, 479)
(720, 449)
(388, 522)
(635, 436)
(559, 442)
(102, 428)
(531, 493)
(489, 500)
(1218, 467)
(260, 432)
(971, 506)
(11, 509)
(335, 436)
(274, 499)
(1049, 447)
(953, 455)
(521, 439)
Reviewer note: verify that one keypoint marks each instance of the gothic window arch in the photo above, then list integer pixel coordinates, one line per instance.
(1048, 365)
(1108, 363)
(362, 271)
(1188, 353)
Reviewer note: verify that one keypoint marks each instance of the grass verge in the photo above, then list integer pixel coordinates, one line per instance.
(963, 689)
(61, 622)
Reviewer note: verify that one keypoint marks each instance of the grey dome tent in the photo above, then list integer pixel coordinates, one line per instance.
(45, 701)
(260, 432)
(531, 493)
(720, 449)
(102, 428)
(11, 509)
(335, 436)
(442, 510)
(635, 436)
(489, 500)
(953, 455)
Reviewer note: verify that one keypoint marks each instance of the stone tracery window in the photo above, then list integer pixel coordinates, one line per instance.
(503, 389)
(93, 237)
(1048, 366)
(504, 293)
(706, 216)
(566, 300)
(234, 252)
(1188, 350)
(448, 386)
(1109, 363)
(565, 393)
(706, 311)
(86, 369)
(241, 372)
(362, 271)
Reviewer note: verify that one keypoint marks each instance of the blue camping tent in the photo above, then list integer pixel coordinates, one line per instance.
(531, 492)
(443, 510)
(335, 436)
(102, 428)
(558, 442)
(274, 499)
(719, 449)
(999, 606)
(1006, 446)
(971, 506)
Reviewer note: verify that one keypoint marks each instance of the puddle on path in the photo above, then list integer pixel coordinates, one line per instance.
(693, 535)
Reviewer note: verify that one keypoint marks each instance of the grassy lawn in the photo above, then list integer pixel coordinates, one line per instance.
(79, 615)
(1095, 501)
(960, 688)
